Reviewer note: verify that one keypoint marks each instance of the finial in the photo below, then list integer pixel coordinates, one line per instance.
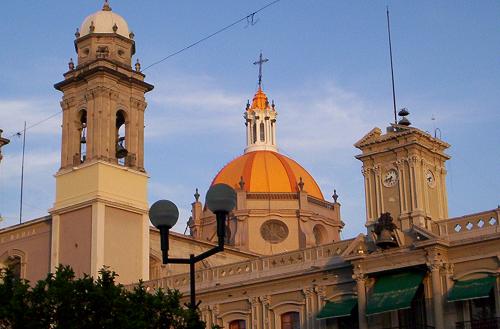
(272, 104)
(260, 62)
(138, 66)
(335, 196)
(105, 6)
(301, 184)
(248, 104)
(115, 27)
(77, 33)
(71, 65)
(196, 195)
(131, 35)
(241, 183)
(91, 27)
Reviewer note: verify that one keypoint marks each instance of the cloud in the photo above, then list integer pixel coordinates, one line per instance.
(36, 162)
(43, 113)
(189, 105)
(322, 119)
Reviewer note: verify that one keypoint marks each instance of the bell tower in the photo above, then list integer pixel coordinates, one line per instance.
(404, 173)
(100, 212)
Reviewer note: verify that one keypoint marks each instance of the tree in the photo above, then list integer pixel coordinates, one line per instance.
(63, 301)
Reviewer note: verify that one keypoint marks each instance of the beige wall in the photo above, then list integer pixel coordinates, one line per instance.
(123, 243)
(75, 240)
(31, 242)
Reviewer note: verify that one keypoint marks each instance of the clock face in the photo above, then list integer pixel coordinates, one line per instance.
(429, 177)
(390, 178)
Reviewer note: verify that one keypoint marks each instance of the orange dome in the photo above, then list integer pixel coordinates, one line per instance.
(267, 171)
(260, 100)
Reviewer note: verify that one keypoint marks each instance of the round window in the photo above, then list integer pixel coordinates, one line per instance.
(274, 231)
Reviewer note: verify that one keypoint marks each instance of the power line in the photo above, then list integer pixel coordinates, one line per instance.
(249, 18)
(20, 132)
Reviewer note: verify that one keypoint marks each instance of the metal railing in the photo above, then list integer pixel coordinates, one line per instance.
(490, 323)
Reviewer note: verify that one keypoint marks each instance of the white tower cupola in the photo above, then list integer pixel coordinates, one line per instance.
(260, 119)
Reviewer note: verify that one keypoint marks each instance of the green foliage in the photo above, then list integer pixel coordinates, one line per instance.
(63, 301)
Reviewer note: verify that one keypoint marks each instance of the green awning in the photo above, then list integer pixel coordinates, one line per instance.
(337, 309)
(393, 292)
(471, 289)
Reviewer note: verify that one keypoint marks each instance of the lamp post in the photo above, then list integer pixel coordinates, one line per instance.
(220, 199)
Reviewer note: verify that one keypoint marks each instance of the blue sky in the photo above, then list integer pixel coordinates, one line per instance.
(328, 74)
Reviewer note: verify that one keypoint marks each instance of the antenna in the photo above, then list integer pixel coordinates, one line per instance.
(392, 68)
(22, 176)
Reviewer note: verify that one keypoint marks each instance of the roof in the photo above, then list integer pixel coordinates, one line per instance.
(267, 172)
(105, 21)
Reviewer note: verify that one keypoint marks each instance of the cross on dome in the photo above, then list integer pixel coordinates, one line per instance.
(260, 62)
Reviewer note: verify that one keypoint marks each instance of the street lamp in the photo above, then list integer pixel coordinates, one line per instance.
(220, 199)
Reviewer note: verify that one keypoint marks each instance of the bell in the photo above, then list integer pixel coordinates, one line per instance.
(83, 140)
(404, 122)
(121, 151)
(385, 239)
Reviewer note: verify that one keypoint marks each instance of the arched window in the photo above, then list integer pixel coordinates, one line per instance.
(237, 324)
(254, 132)
(83, 135)
(320, 236)
(121, 144)
(14, 264)
(262, 132)
(272, 133)
(290, 320)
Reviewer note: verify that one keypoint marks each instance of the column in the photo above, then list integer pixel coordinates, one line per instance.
(308, 296)
(265, 303)
(320, 301)
(437, 296)
(54, 247)
(360, 278)
(254, 316)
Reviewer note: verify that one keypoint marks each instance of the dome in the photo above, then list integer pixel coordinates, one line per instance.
(260, 101)
(267, 172)
(105, 21)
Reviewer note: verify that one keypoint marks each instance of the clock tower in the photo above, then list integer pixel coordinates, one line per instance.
(99, 216)
(404, 174)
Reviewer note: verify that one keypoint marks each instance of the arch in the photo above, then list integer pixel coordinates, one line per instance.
(254, 132)
(285, 307)
(121, 135)
(339, 295)
(16, 260)
(155, 266)
(320, 234)
(82, 134)
(236, 315)
(262, 130)
(476, 273)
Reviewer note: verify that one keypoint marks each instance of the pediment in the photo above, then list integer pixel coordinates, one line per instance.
(370, 137)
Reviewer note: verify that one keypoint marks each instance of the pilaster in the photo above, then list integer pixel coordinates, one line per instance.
(360, 277)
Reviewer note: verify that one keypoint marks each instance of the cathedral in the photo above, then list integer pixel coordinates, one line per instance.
(285, 265)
